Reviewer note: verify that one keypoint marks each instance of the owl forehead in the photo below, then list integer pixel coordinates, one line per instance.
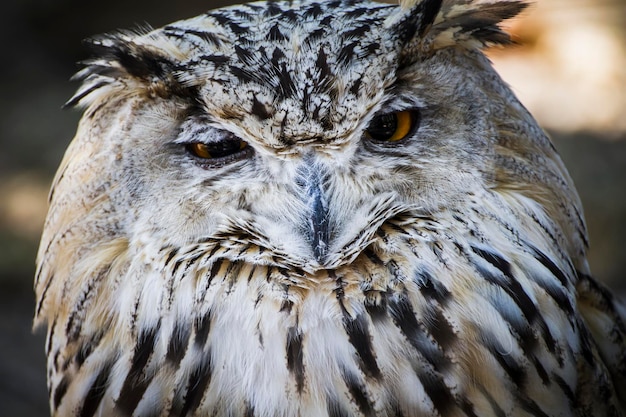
(292, 71)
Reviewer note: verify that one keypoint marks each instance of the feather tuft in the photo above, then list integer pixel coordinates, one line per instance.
(474, 23)
(440, 24)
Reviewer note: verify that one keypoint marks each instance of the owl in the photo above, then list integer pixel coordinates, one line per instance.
(319, 208)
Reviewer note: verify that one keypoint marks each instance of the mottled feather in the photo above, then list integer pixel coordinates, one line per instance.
(238, 228)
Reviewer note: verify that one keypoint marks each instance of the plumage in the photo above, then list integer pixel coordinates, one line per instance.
(334, 208)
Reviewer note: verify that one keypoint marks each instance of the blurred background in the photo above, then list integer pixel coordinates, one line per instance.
(569, 69)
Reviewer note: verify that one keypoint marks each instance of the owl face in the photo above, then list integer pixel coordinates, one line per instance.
(302, 124)
(318, 208)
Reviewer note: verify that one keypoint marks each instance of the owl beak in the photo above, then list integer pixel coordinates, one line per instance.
(319, 231)
(335, 222)
(316, 217)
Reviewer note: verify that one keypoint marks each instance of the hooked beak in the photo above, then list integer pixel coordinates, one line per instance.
(316, 218)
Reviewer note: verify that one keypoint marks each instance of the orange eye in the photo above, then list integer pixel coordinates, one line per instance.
(200, 150)
(219, 149)
(392, 127)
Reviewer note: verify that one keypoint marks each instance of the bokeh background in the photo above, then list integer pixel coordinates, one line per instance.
(569, 69)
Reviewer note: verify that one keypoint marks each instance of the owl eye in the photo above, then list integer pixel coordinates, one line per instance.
(226, 149)
(393, 127)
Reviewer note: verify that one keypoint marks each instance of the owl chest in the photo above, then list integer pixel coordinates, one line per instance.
(317, 352)
(336, 346)
(448, 335)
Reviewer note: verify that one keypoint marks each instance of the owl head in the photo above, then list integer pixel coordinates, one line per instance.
(297, 128)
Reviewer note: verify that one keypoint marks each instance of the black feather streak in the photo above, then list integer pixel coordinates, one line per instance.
(77, 98)
(551, 266)
(295, 356)
(514, 289)
(514, 370)
(314, 10)
(171, 255)
(202, 327)
(418, 20)
(59, 392)
(217, 60)
(90, 344)
(96, 391)
(359, 336)
(567, 390)
(137, 381)
(314, 37)
(286, 306)
(198, 382)
(437, 390)
(215, 268)
(358, 32)
(404, 317)
(335, 409)
(208, 37)
(275, 34)
(439, 327)
(467, 406)
(245, 55)
(431, 288)
(495, 407)
(179, 341)
(138, 61)
(278, 70)
(358, 393)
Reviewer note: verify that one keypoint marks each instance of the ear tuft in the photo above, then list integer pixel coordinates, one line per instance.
(118, 57)
(415, 18)
(473, 23)
(436, 24)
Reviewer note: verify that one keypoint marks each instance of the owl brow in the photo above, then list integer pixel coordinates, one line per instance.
(398, 100)
(115, 57)
(203, 128)
(136, 60)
